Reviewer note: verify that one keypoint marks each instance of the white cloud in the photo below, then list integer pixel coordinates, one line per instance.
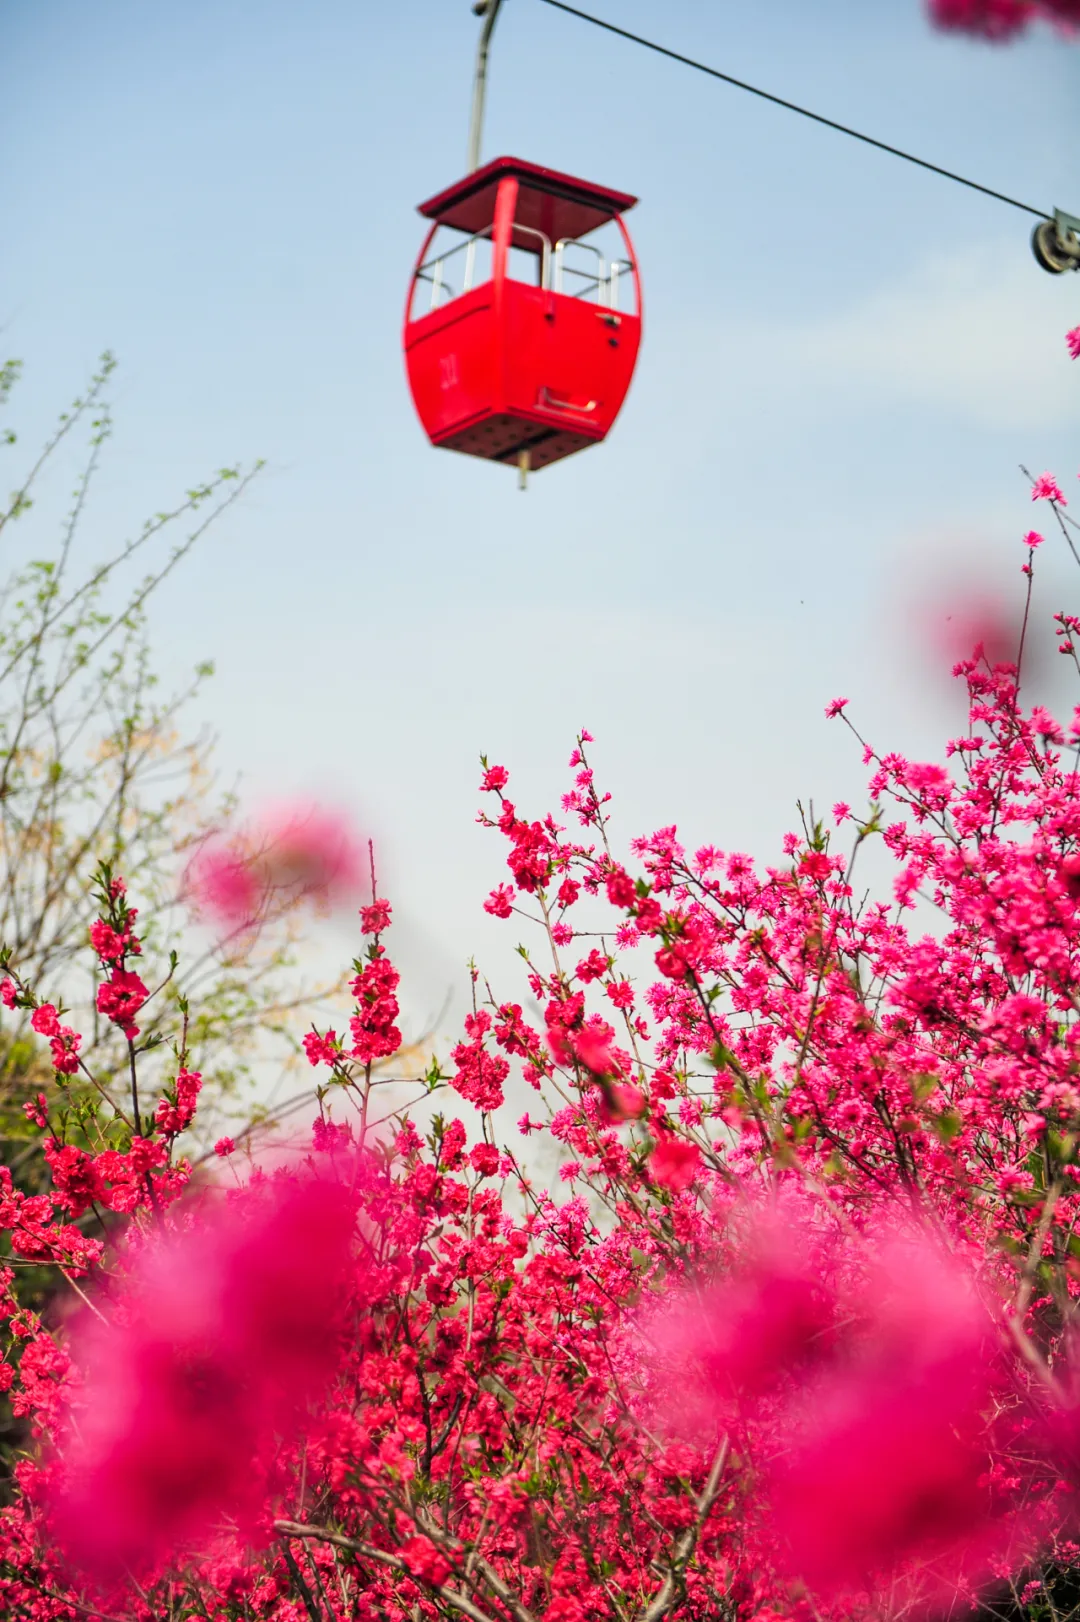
(977, 332)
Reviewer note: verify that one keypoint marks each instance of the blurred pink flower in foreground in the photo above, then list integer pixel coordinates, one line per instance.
(674, 1164)
(977, 624)
(288, 854)
(994, 19)
(895, 1432)
(753, 1331)
(957, 612)
(728, 1344)
(871, 1379)
(1001, 19)
(218, 1337)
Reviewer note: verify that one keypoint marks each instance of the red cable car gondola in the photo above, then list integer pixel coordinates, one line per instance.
(517, 371)
(516, 368)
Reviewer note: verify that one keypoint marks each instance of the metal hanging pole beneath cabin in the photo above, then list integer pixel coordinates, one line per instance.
(489, 10)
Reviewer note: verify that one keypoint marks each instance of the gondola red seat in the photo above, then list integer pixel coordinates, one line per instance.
(522, 371)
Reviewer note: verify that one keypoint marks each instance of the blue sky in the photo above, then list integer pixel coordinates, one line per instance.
(845, 360)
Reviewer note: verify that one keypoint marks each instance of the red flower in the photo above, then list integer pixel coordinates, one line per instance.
(375, 918)
(176, 1111)
(424, 1560)
(674, 1164)
(321, 1049)
(671, 964)
(899, 1436)
(119, 998)
(1046, 488)
(484, 1158)
(620, 889)
(64, 1049)
(44, 1020)
(1069, 873)
(500, 903)
(107, 943)
(220, 1335)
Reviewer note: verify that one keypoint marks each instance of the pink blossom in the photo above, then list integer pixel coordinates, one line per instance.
(44, 1020)
(64, 1051)
(219, 1333)
(628, 1103)
(374, 1032)
(375, 918)
(321, 1049)
(8, 993)
(111, 944)
(994, 19)
(1069, 872)
(310, 849)
(904, 1475)
(224, 883)
(718, 1349)
(833, 709)
(119, 998)
(176, 1110)
(674, 1164)
(1002, 19)
(484, 1159)
(36, 1110)
(1033, 539)
(224, 1147)
(590, 1047)
(672, 963)
(1072, 339)
(285, 855)
(479, 1075)
(897, 1430)
(621, 890)
(328, 1137)
(424, 1560)
(972, 623)
(592, 967)
(1046, 488)
(500, 903)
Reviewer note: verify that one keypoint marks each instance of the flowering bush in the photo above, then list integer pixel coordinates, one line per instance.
(796, 1339)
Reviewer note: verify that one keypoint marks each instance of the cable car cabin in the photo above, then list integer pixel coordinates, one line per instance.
(521, 334)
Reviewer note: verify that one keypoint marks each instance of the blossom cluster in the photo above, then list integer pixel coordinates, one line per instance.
(791, 1335)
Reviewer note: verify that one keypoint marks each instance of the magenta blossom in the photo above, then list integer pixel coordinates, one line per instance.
(726, 1346)
(289, 854)
(898, 1428)
(674, 1164)
(1002, 19)
(1046, 488)
(218, 1336)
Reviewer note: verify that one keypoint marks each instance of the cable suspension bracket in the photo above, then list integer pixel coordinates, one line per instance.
(489, 11)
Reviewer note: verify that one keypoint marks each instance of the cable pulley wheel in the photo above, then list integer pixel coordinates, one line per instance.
(1053, 251)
